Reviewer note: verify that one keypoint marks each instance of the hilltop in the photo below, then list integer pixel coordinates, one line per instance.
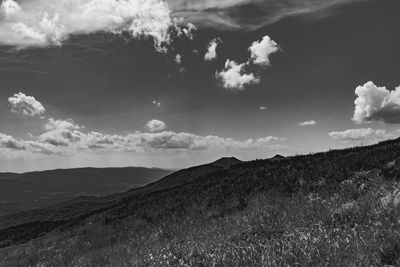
(226, 162)
(277, 157)
(341, 207)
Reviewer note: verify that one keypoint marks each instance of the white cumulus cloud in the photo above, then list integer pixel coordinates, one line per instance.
(307, 123)
(9, 7)
(67, 138)
(363, 134)
(12, 147)
(61, 132)
(69, 141)
(261, 50)
(48, 22)
(60, 137)
(27, 105)
(156, 125)
(10, 142)
(233, 76)
(375, 103)
(212, 49)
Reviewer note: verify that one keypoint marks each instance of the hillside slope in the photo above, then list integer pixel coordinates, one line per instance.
(341, 207)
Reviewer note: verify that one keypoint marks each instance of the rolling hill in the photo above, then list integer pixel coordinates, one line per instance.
(341, 207)
(39, 189)
(81, 206)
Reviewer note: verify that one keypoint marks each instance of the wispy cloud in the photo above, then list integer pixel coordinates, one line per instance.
(247, 14)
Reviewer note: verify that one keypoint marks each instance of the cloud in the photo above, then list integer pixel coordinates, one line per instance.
(27, 34)
(178, 59)
(169, 140)
(61, 137)
(67, 140)
(248, 14)
(212, 49)
(54, 124)
(375, 103)
(9, 7)
(156, 103)
(189, 30)
(261, 50)
(233, 76)
(27, 105)
(10, 142)
(47, 22)
(61, 132)
(187, 141)
(65, 137)
(362, 134)
(13, 148)
(307, 123)
(156, 125)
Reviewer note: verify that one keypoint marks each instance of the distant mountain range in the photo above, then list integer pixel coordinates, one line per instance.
(39, 189)
(49, 206)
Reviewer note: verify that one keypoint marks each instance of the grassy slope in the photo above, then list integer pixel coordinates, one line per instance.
(340, 208)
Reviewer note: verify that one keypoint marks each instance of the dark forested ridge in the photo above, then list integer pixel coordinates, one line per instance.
(302, 210)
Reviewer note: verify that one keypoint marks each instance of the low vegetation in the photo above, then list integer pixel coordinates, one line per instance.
(339, 208)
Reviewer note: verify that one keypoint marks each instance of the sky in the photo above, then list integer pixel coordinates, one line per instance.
(173, 84)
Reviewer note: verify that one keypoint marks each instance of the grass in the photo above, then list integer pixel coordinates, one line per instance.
(356, 225)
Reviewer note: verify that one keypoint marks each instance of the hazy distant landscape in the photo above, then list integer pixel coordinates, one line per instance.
(40, 189)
